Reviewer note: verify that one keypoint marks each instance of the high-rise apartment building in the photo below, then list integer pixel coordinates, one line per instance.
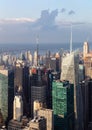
(63, 105)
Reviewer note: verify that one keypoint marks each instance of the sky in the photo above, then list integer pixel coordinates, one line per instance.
(21, 21)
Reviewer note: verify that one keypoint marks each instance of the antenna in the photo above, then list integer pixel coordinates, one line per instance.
(71, 40)
(37, 49)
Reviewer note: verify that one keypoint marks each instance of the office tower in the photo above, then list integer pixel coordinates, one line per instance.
(85, 97)
(1, 119)
(38, 123)
(48, 115)
(38, 93)
(90, 104)
(4, 92)
(48, 54)
(85, 49)
(37, 75)
(10, 93)
(86, 87)
(35, 63)
(49, 88)
(81, 72)
(17, 108)
(53, 63)
(21, 84)
(63, 105)
(70, 68)
(40, 111)
(37, 105)
(88, 66)
(28, 56)
(70, 72)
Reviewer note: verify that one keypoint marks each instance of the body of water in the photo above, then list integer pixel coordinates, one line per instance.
(42, 47)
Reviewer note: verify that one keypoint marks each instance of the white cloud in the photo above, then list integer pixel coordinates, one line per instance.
(16, 20)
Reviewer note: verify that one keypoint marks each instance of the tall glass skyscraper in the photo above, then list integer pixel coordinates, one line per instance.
(70, 72)
(63, 105)
(4, 93)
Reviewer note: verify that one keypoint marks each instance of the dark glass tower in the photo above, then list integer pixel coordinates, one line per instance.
(22, 85)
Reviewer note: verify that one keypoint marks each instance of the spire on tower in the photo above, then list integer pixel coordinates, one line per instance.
(37, 49)
(71, 40)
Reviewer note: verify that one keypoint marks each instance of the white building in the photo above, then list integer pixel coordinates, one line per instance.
(18, 108)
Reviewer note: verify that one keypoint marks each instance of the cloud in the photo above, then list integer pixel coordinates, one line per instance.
(47, 19)
(63, 10)
(50, 30)
(16, 20)
(71, 12)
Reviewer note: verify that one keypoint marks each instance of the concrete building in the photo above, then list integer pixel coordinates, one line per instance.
(18, 125)
(48, 115)
(18, 108)
(85, 49)
(35, 62)
(38, 123)
(87, 58)
(38, 93)
(43, 112)
(88, 66)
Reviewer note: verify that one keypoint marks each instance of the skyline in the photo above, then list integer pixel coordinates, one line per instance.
(21, 21)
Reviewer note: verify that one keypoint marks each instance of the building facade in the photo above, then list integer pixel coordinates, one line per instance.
(63, 105)
(70, 72)
(4, 93)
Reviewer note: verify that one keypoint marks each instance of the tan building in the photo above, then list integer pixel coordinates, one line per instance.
(85, 49)
(48, 115)
(87, 57)
(88, 66)
(38, 123)
(18, 108)
(45, 113)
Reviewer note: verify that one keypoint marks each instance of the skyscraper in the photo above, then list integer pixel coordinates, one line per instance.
(48, 115)
(35, 63)
(21, 84)
(85, 49)
(63, 105)
(70, 72)
(10, 93)
(40, 111)
(17, 108)
(38, 93)
(4, 92)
